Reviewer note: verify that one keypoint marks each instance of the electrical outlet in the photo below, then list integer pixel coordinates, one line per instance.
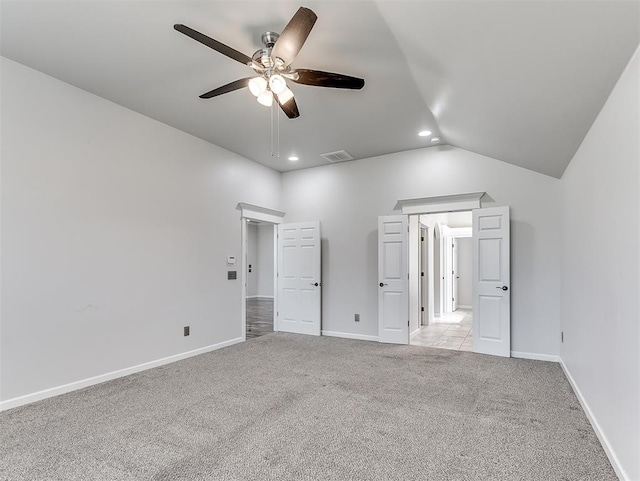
(357, 318)
(186, 330)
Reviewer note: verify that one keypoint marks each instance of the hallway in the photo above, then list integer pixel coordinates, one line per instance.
(450, 331)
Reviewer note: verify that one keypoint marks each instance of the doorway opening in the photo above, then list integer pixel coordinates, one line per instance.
(290, 256)
(440, 280)
(260, 278)
(398, 305)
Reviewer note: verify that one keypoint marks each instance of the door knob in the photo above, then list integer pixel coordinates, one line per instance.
(382, 284)
(504, 288)
(315, 284)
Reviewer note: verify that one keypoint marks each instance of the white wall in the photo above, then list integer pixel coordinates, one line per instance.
(347, 199)
(265, 281)
(465, 259)
(252, 259)
(115, 234)
(260, 255)
(601, 266)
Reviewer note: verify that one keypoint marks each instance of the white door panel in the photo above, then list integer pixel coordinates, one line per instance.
(393, 274)
(426, 276)
(491, 281)
(299, 281)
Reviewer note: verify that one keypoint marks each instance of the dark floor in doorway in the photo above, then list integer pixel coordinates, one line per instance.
(259, 317)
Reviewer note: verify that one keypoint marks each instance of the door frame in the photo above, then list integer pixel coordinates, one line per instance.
(425, 266)
(436, 205)
(449, 236)
(451, 203)
(267, 216)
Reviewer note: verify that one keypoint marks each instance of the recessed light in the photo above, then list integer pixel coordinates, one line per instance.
(293, 158)
(424, 133)
(435, 140)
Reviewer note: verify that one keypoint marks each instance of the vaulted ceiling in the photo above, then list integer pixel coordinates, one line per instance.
(519, 81)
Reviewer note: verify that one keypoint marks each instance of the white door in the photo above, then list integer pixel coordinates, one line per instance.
(454, 274)
(424, 270)
(491, 282)
(393, 279)
(299, 281)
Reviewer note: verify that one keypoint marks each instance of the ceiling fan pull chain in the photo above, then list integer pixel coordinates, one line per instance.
(271, 119)
(278, 130)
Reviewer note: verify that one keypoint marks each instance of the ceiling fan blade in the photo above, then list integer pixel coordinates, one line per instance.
(230, 87)
(294, 35)
(290, 108)
(326, 79)
(214, 44)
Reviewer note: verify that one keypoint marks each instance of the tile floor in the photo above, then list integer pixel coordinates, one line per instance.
(451, 331)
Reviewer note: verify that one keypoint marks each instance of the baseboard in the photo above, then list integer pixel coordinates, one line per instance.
(259, 297)
(535, 356)
(596, 427)
(348, 335)
(74, 386)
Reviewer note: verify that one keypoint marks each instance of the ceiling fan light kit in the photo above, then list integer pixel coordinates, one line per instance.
(272, 63)
(266, 98)
(257, 86)
(277, 84)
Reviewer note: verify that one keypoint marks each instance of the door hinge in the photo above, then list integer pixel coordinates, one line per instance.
(408, 322)
(422, 274)
(422, 309)
(422, 238)
(562, 336)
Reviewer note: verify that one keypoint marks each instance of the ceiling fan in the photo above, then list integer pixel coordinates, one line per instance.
(272, 63)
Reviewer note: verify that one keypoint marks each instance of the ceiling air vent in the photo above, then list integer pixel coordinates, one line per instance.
(337, 156)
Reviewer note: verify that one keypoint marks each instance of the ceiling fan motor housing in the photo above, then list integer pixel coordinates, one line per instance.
(269, 39)
(263, 56)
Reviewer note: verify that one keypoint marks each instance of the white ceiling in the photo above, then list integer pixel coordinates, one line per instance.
(520, 81)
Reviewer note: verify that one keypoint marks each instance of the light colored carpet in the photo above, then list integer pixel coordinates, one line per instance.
(288, 407)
